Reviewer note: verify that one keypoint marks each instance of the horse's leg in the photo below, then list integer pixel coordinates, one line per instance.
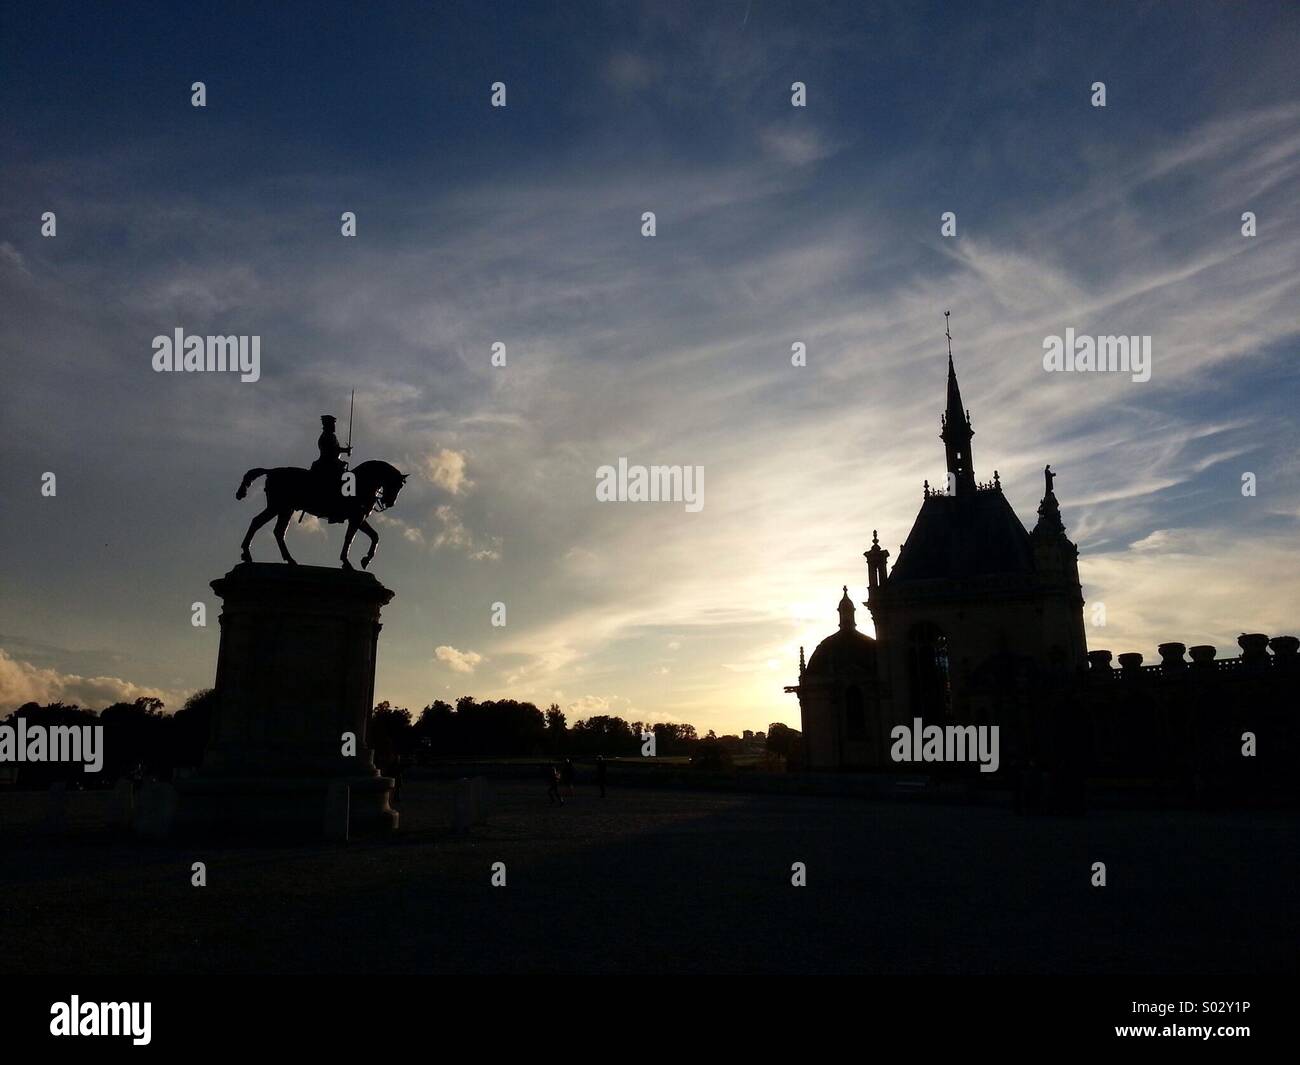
(374, 542)
(347, 541)
(253, 526)
(281, 524)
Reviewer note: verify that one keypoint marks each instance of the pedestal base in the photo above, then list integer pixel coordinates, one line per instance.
(283, 808)
(287, 755)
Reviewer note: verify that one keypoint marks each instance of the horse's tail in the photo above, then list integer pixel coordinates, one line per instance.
(251, 476)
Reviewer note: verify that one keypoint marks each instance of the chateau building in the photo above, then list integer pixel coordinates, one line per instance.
(980, 622)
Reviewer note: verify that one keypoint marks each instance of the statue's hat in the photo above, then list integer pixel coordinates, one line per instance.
(328, 418)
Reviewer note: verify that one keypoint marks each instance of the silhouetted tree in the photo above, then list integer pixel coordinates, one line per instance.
(555, 729)
(191, 727)
(710, 755)
(787, 742)
(673, 738)
(504, 728)
(605, 734)
(389, 733)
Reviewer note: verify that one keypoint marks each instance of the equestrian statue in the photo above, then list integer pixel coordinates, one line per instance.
(328, 490)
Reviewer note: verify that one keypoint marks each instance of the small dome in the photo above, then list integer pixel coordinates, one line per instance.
(847, 650)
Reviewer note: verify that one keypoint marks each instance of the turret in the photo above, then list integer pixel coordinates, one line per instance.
(877, 558)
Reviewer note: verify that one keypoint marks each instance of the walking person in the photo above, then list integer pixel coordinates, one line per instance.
(553, 785)
(566, 777)
(600, 773)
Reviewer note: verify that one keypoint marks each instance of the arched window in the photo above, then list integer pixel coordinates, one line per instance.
(929, 675)
(855, 714)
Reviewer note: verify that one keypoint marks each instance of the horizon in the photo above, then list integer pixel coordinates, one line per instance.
(521, 225)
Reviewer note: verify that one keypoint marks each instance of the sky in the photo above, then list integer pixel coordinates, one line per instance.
(522, 225)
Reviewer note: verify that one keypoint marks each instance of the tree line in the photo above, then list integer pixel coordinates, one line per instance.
(507, 728)
(142, 740)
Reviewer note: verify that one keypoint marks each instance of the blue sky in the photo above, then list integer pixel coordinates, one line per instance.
(775, 224)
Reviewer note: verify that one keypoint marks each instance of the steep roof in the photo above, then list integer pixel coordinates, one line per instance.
(966, 535)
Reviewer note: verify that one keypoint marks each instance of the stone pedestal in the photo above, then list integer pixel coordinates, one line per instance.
(295, 673)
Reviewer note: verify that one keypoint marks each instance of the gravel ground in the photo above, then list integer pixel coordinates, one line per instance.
(667, 881)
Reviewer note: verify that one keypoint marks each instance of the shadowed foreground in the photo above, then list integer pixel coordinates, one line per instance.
(665, 881)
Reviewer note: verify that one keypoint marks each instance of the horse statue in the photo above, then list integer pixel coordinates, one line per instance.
(290, 488)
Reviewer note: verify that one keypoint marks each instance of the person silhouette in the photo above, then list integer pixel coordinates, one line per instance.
(328, 468)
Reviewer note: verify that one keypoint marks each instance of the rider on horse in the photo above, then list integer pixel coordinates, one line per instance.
(328, 469)
(326, 492)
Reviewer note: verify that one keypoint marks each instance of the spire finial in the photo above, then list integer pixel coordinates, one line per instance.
(948, 333)
(846, 611)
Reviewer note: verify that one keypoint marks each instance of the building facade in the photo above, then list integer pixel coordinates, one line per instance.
(980, 622)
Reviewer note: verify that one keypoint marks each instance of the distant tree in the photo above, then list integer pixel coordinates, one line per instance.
(512, 728)
(137, 738)
(389, 733)
(672, 738)
(191, 726)
(434, 730)
(555, 729)
(785, 741)
(710, 755)
(501, 728)
(41, 775)
(731, 743)
(509, 728)
(605, 734)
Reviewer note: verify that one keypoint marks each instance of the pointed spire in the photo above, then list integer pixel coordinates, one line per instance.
(956, 432)
(846, 611)
(953, 413)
